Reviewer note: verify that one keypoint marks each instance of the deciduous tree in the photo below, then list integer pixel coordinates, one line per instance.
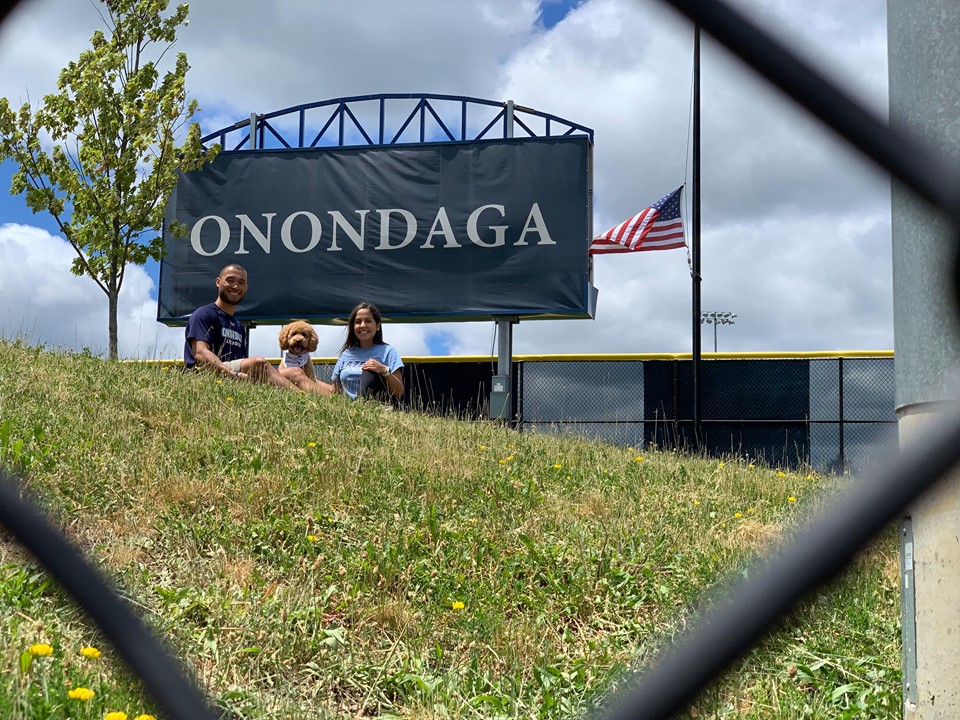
(100, 154)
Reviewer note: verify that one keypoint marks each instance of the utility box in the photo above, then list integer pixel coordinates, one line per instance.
(500, 405)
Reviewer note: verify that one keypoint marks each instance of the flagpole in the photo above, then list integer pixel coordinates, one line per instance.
(695, 238)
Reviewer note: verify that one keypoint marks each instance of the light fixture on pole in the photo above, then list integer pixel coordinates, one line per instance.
(715, 318)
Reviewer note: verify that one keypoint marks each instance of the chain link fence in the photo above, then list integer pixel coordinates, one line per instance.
(830, 413)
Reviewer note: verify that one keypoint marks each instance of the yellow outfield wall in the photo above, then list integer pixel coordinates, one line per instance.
(615, 357)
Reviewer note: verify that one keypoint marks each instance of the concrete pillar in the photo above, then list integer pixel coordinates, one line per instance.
(924, 58)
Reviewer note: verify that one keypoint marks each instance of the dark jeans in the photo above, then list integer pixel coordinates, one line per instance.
(373, 387)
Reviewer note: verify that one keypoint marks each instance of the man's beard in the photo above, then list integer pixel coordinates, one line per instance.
(226, 298)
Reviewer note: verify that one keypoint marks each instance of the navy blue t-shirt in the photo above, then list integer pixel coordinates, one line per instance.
(225, 335)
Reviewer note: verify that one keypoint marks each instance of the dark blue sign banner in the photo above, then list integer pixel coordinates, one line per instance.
(430, 232)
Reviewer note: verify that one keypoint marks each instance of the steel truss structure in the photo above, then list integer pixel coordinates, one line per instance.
(391, 119)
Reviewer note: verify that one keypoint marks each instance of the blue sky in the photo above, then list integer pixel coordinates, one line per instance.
(553, 11)
(796, 229)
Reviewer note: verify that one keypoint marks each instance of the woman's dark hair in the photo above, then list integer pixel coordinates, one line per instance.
(352, 341)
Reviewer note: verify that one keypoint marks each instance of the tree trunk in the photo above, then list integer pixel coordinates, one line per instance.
(112, 322)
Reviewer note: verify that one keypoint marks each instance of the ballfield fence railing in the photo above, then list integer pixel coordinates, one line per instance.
(828, 411)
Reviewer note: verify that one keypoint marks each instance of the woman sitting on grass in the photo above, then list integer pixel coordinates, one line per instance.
(367, 367)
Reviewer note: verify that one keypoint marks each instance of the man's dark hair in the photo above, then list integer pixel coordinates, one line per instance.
(236, 266)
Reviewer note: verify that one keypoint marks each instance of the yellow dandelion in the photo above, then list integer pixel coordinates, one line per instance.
(638, 458)
(503, 462)
(791, 499)
(457, 605)
(781, 473)
(738, 515)
(165, 369)
(81, 693)
(482, 448)
(630, 450)
(219, 382)
(144, 717)
(509, 457)
(810, 476)
(696, 502)
(229, 399)
(722, 465)
(312, 538)
(311, 444)
(115, 715)
(90, 652)
(557, 466)
(568, 477)
(40, 650)
(751, 466)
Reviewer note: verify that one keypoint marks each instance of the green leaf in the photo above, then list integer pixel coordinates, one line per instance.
(26, 660)
(842, 690)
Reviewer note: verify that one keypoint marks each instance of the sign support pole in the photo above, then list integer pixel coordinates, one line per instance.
(501, 386)
(502, 399)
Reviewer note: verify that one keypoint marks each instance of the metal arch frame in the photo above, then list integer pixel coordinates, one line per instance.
(424, 112)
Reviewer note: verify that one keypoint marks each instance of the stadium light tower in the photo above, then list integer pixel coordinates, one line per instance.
(713, 317)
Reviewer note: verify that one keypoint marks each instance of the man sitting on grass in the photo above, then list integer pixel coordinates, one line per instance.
(217, 341)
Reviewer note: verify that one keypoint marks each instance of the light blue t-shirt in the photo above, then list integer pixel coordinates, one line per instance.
(349, 365)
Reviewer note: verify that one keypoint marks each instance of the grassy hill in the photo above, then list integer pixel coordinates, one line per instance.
(310, 557)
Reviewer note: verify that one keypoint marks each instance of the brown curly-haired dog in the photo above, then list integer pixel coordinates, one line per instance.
(298, 339)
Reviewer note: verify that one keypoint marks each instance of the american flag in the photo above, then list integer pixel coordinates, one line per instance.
(658, 227)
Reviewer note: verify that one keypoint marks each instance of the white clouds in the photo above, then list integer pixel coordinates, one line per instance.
(795, 228)
(44, 304)
(604, 68)
(844, 39)
(267, 60)
(803, 275)
(34, 46)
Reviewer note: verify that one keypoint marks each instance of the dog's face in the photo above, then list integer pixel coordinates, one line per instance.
(298, 337)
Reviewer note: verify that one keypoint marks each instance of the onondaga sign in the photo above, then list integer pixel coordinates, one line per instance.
(445, 231)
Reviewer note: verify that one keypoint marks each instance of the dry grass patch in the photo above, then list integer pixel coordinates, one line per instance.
(238, 571)
(397, 618)
(752, 535)
(594, 505)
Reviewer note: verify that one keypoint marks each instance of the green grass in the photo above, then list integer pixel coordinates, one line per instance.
(310, 557)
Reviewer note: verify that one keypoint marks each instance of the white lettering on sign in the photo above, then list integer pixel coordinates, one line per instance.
(302, 230)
